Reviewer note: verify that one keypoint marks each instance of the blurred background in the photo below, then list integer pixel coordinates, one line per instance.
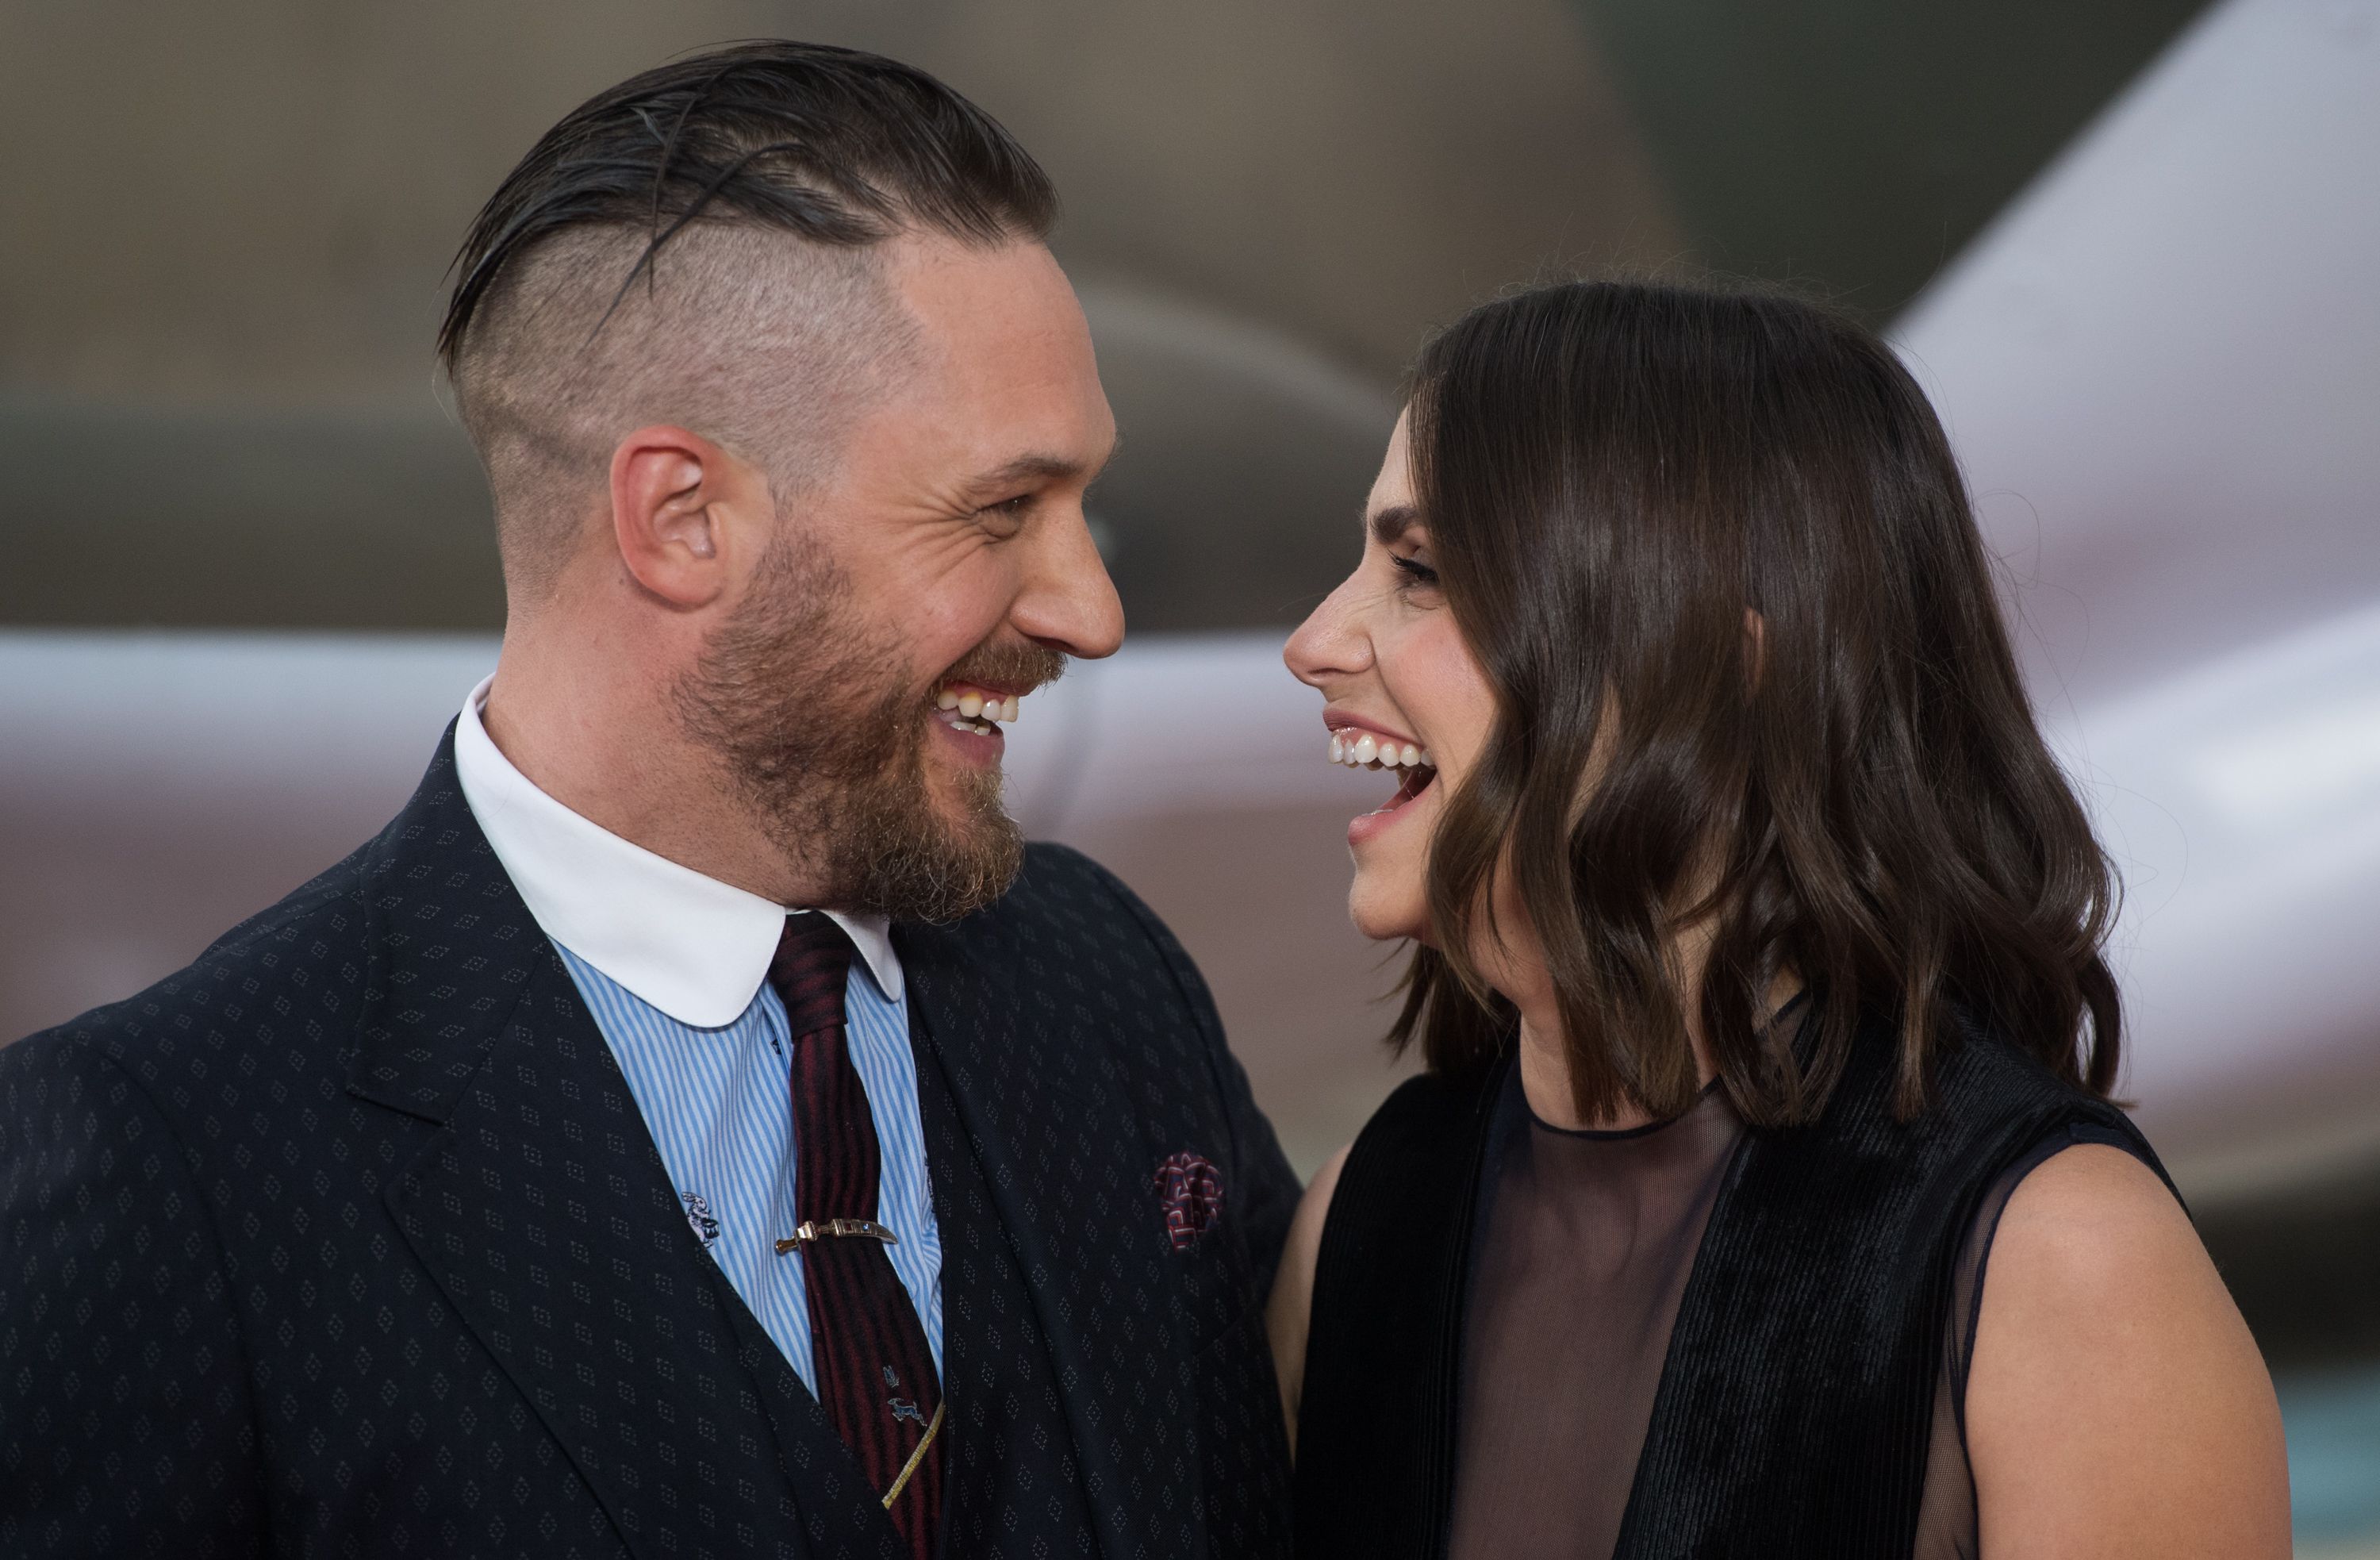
(247, 572)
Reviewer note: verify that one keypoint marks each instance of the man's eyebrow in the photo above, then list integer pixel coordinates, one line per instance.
(1389, 524)
(1026, 469)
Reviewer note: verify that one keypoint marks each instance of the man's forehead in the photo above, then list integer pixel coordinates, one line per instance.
(1031, 429)
(971, 453)
(1003, 392)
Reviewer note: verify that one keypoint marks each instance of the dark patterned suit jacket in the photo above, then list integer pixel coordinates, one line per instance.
(350, 1240)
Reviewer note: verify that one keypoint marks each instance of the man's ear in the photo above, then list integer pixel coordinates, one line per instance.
(685, 515)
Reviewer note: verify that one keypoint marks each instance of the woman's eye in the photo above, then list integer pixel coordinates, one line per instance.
(1415, 572)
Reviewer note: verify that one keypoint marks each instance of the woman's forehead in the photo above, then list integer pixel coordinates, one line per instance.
(1393, 487)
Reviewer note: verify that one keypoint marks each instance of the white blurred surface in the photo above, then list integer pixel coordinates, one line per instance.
(2161, 363)
(2161, 368)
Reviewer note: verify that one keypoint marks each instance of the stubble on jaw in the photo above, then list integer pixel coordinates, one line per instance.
(802, 702)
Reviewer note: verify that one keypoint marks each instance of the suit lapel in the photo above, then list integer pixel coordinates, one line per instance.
(1068, 1160)
(541, 1213)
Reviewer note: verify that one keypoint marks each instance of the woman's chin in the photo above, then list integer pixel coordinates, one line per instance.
(1385, 913)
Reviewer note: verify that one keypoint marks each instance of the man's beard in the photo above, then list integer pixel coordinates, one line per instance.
(790, 694)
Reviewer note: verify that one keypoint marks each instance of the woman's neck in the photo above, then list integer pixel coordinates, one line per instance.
(1545, 1059)
(1545, 1076)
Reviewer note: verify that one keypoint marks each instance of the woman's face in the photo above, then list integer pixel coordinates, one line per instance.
(1393, 668)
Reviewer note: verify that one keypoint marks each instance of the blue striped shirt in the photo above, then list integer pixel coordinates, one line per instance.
(719, 1104)
(675, 967)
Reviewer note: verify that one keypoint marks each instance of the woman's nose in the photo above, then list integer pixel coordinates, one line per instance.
(1330, 642)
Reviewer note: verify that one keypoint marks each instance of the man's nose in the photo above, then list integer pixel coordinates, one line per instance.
(1068, 602)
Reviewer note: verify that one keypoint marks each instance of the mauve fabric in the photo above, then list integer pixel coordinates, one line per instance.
(1584, 1250)
(350, 1240)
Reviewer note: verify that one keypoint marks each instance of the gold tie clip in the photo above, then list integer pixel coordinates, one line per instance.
(820, 1229)
(916, 1457)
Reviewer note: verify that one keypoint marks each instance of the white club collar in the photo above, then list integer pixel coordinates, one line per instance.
(691, 945)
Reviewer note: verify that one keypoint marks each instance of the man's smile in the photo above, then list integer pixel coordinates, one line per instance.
(966, 706)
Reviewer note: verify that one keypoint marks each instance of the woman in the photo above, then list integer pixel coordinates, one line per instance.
(1757, 973)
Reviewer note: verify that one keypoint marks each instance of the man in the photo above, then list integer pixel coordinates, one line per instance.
(533, 1182)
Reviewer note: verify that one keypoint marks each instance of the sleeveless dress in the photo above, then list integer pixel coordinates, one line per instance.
(1696, 1339)
(1586, 1241)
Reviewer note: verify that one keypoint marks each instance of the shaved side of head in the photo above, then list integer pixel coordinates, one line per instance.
(700, 245)
(758, 340)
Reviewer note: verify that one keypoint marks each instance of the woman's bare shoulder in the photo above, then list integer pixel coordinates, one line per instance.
(2117, 1404)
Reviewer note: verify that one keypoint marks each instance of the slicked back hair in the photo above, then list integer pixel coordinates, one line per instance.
(721, 207)
(1612, 473)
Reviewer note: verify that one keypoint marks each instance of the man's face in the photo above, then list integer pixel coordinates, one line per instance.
(947, 560)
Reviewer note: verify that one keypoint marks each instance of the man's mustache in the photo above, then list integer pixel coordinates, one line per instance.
(1021, 666)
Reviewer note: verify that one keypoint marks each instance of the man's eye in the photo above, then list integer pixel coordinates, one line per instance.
(1415, 572)
(1009, 508)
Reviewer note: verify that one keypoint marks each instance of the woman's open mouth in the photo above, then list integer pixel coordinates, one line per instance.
(1415, 767)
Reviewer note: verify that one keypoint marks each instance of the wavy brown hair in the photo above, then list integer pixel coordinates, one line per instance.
(1612, 473)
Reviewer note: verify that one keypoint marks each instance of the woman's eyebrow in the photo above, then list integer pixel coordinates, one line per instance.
(1393, 522)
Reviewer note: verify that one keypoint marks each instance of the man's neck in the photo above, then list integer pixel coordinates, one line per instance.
(608, 749)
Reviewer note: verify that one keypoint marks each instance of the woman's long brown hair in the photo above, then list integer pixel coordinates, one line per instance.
(1612, 473)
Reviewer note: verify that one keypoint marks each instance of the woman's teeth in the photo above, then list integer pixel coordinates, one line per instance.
(971, 709)
(1369, 751)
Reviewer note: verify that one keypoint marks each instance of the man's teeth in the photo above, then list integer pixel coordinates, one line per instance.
(973, 710)
(1377, 752)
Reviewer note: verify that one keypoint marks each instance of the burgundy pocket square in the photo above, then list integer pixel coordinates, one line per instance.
(1190, 1189)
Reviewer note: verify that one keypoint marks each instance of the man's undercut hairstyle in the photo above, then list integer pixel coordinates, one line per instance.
(695, 245)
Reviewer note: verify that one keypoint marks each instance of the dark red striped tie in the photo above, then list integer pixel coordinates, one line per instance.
(875, 1371)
